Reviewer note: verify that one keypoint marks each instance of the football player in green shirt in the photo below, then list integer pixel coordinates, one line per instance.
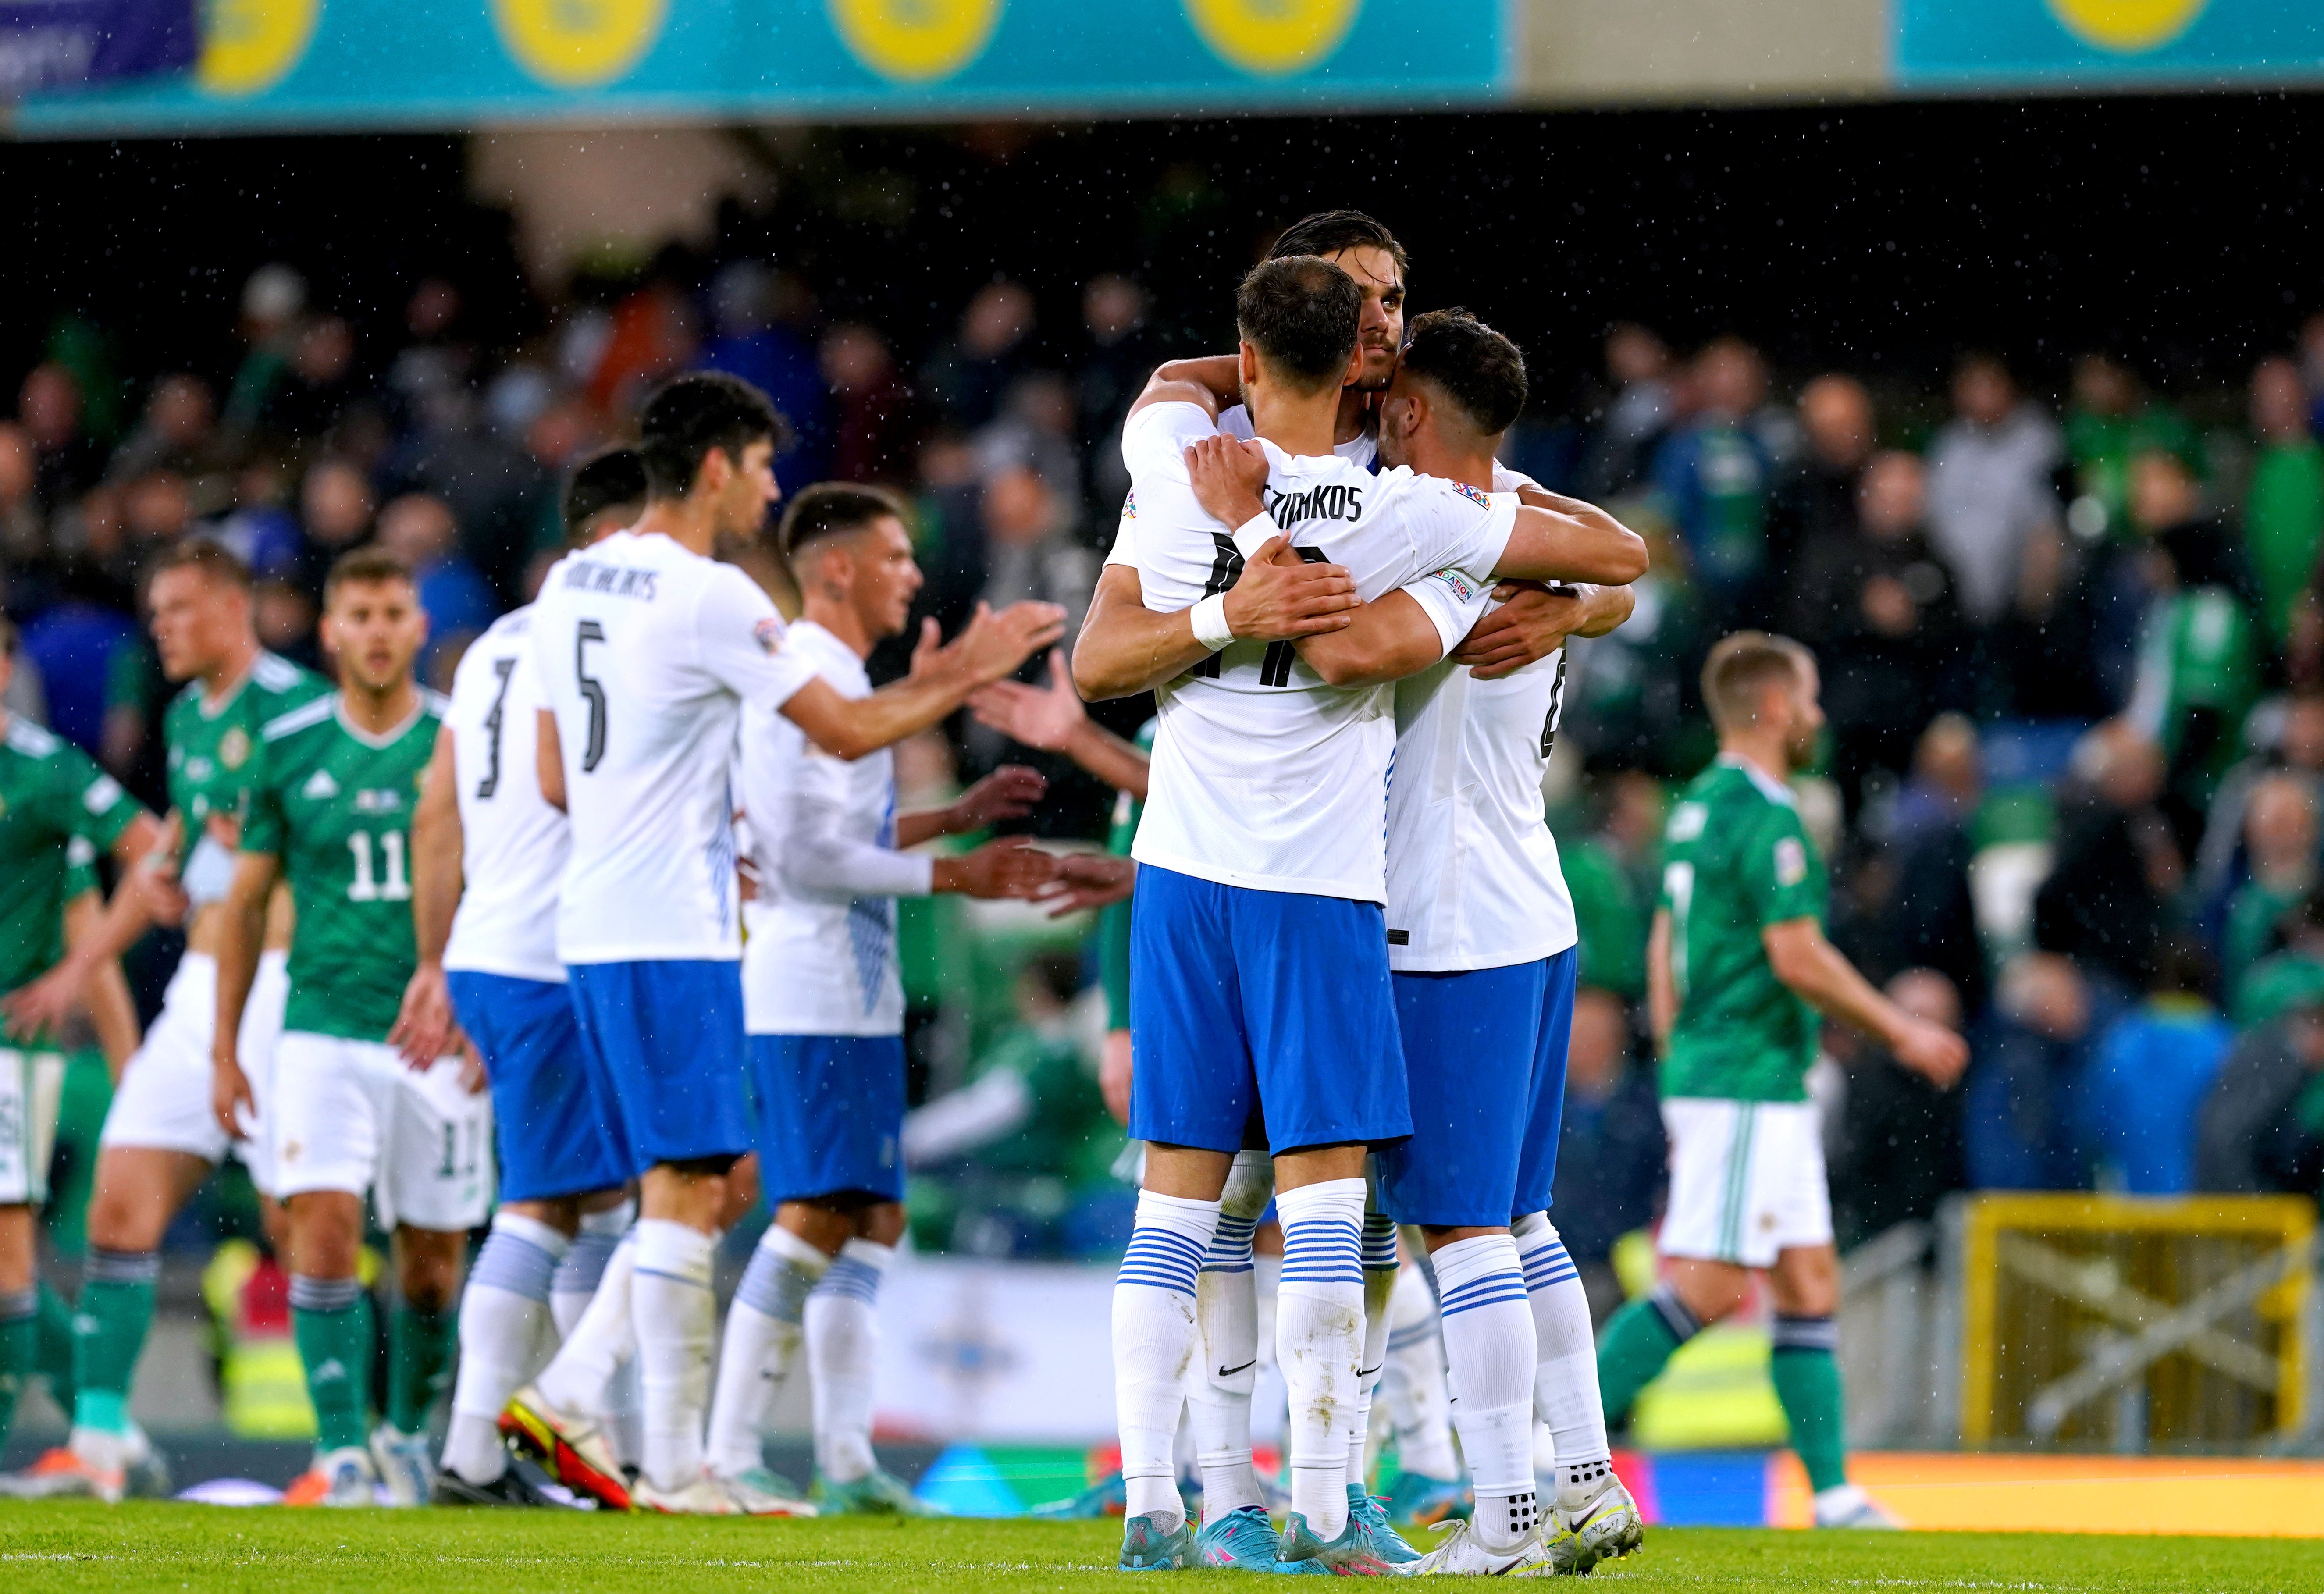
(58, 810)
(161, 1138)
(1738, 971)
(330, 812)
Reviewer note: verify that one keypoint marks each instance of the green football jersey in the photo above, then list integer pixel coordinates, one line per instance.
(1114, 923)
(212, 751)
(1734, 859)
(335, 806)
(58, 811)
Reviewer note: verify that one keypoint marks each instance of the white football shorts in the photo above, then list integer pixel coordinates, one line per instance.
(32, 1085)
(1747, 1180)
(348, 1115)
(163, 1099)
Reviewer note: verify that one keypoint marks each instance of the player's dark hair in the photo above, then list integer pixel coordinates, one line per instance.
(607, 479)
(1740, 667)
(214, 559)
(1301, 313)
(1328, 232)
(363, 567)
(689, 416)
(1476, 367)
(832, 508)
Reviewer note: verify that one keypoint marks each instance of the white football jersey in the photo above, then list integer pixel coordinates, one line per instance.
(1263, 776)
(513, 844)
(646, 653)
(821, 958)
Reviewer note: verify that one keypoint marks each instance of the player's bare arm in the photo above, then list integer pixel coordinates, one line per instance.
(1662, 990)
(1010, 792)
(424, 1026)
(1200, 382)
(106, 998)
(992, 645)
(1818, 972)
(242, 931)
(1564, 545)
(147, 894)
(1054, 719)
(549, 758)
(1534, 620)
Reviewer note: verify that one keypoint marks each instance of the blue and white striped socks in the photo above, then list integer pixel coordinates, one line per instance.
(1488, 1339)
(765, 1328)
(1319, 1337)
(1226, 1308)
(1155, 1335)
(1377, 1249)
(843, 1342)
(504, 1320)
(1565, 1379)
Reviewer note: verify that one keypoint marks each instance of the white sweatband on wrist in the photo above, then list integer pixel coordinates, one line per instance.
(1209, 618)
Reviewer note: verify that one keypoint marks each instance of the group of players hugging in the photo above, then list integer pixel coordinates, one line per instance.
(601, 949)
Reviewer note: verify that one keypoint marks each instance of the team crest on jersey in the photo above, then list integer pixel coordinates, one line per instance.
(234, 748)
(769, 633)
(1791, 861)
(319, 787)
(1686, 822)
(1473, 494)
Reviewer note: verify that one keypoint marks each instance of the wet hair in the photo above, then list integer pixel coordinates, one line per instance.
(689, 416)
(607, 479)
(1301, 313)
(214, 559)
(1741, 667)
(1328, 232)
(1477, 368)
(363, 567)
(832, 508)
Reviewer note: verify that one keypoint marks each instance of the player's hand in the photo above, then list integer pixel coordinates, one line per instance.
(1931, 1051)
(424, 1025)
(928, 653)
(156, 881)
(1010, 867)
(992, 646)
(1229, 477)
(1087, 881)
(1010, 792)
(231, 1103)
(1035, 716)
(45, 1004)
(1280, 598)
(1532, 624)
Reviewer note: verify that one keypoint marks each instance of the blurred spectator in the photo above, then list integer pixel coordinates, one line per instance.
(2111, 421)
(1817, 502)
(1034, 429)
(1610, 1150)
(1612, 876)
(1644, 408)
(1934, 915)
(2021, 1101)
(968, 374)
(283, 614)
(1989, 485)
(496, 492)
(178, 432)
(335, 511)
(259, 529)
(273, 296)
(2292, 740)
(872, 430)
(2261, 1130)
(68, 460)
(2118, 860)
(85, 646)
(1029, 551)
(2287, 978)
(1115, 363)
(1714, 473)
(650, 335)
(1899, 1140)
(2279, 844)
(316, 386)
(747, 341)
(2284, 503)
(2146, 1084)
(418, 529)
(24, 528)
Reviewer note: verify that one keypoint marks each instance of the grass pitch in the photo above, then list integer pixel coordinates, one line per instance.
(81, 1546)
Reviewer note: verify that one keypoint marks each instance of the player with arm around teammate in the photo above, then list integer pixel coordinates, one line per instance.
(1738, 970)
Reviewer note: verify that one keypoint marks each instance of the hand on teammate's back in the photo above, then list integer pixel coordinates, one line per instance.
(1280, 598)
(1010, 867)
(1229, 477)
(1931, 1051)
(1010, 792)
(1532, 624)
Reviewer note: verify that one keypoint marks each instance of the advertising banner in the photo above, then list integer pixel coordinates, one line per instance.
(2054, 44)
(71, 44)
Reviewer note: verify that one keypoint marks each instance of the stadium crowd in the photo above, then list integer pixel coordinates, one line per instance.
(2073, 654)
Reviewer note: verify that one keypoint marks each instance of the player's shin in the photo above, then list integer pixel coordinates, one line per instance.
(1565, 1379)
(1154, 1340)
(1379, 1291)
(1806, 1374)
(20, 1328)
(1320, 1341)
(1226, 1307)
(577, 1377)
(575, 1283)
(1488, 1339)
(331, 1320)
(674, 1312)
(843, 1344)
(764, 1330)
(1640, 1340)
(503, 1323)
(1413, 1387)
(116, 1309)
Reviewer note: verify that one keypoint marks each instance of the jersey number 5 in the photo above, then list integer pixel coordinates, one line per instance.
(593, 690)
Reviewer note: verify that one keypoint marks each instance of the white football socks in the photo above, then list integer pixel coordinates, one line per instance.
(842, 1345)
(764, 1333)
(1226, 1305)
(1488, 1339)
(1380, 1291)
(673, 1310)
(1413, 1387)
(1319, 1327)
(504, 1320)
(601, 1340)
(1565, 1379)
(1154, 1336)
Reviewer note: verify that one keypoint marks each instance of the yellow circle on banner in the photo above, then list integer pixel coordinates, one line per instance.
(578, 44)
(915, 40)
(2128, 26)
(251, 45)
(1272, 37)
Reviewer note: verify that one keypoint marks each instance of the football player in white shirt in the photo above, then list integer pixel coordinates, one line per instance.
(1259, 972)
(487, 854)
(647, 650)
(825, 1006)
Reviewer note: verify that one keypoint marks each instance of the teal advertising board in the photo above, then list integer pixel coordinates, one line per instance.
(270, 64)
(2106, 43)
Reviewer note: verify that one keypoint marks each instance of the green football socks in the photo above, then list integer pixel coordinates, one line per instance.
(331, 1320)
(420, 1352)
(1639, 1340)
(1807, 1381)
(117, 1309)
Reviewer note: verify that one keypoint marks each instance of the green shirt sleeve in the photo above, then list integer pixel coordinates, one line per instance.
(89, 803)
(262, 828)
(1778, 869)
